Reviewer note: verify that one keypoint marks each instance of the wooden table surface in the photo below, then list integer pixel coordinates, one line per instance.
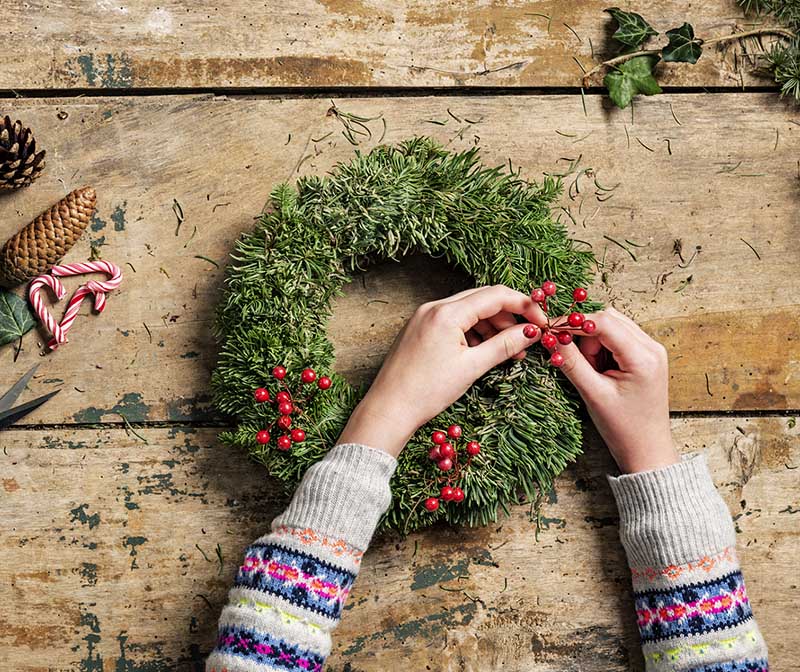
(118, 546)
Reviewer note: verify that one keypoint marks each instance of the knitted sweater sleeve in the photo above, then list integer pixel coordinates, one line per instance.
(691, 604)
(290, 590)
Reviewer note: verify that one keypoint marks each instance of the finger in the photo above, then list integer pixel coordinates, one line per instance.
(507, 344)
(502, 320)
(457, 295)
(484, 329)
(591, 348)
(618, 337)
(580, 372)
(473, 339)
(489, 301)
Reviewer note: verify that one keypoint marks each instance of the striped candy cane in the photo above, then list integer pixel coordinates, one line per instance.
(95, 288)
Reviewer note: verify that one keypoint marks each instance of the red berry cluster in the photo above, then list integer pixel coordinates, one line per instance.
(560, 329)
(287, 404)
(445, 454)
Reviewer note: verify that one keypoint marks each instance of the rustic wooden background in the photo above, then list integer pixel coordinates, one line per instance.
(118, 546)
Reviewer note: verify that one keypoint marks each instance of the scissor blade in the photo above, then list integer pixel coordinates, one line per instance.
(9, 417)
(8, 399)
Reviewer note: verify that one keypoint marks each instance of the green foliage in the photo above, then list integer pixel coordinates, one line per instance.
(682, 47)
(15, 318)
(416, 197)
(633, 71)
(783, 58)
(630, 78)
(632, 29)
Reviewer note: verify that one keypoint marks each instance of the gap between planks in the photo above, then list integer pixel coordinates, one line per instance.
(357, 91)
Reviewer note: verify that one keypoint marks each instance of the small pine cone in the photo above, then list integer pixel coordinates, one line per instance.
(20, 164)
(43, 242)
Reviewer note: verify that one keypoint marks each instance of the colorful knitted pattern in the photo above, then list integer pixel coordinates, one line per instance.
(289, 592)
(690, 598)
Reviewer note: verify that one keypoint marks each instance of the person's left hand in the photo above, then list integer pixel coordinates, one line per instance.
(441, 351)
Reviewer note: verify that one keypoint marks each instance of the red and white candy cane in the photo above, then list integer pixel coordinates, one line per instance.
(98, 289)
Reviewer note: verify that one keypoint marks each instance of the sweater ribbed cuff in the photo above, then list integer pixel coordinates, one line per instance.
(343, 495)
(672, 515)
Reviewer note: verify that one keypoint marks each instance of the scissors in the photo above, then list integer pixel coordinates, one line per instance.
(9, 415)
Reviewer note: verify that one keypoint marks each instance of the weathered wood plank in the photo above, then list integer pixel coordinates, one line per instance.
(731, 177)
(109, 560)
(332, 43)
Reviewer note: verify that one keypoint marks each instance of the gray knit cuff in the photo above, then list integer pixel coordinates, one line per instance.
(672, 515)
(343, 495)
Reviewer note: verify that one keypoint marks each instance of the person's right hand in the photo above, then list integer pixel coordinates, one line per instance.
(623, 376)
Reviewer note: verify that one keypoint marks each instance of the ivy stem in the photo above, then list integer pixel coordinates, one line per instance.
(612, 62)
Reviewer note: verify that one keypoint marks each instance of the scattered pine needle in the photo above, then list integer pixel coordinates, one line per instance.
(755, 251)
(684, 284)
(220, 559)
(567, 135)
(203, 553)
(669, 146)
(580, 65)
(544, 16)
(178, 210)
(649, 149)
(130, 430)
(572, 30)
(583, 102)
(204, 258)
(677, 121)
(618, 244)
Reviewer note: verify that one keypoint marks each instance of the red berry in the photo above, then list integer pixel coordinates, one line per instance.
(454, 432)
(279, 372)
(564, 337)
(438, 437)
(261, 394)
(556, 359)
(537, 295)
(575, 319)
(473, 448)
(447, 450)
(431, 503)
(285, 408)
(262, 437)
(298, 435)
(579, 294)
(434, 454)
(284, 422)
(324, 383)
(549, 287)
(283, 396)
(445, 464)
(284, 442)
(530, 331)
(549, 341)
(447, 493)
(458, 495)
(308, 375)
(589, 327)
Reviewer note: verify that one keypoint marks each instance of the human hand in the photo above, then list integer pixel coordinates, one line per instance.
(441, 351)
(622, 375)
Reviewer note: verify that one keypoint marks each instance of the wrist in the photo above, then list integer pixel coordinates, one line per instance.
(651, 458)
(378, 426)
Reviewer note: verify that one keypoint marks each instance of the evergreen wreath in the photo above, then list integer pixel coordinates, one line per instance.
(416, 197)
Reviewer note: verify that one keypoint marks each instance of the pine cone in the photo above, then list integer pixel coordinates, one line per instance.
(19, 163)
(42, 244)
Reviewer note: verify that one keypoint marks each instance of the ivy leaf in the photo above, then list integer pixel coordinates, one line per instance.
(630, 78)
(633, 29)
(15, 318)
(682, 46)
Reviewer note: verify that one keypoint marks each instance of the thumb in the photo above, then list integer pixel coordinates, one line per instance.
(579, 371)
(503, 345)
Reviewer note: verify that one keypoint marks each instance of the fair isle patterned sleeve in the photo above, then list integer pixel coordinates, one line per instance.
(690, 598)
(290, 590)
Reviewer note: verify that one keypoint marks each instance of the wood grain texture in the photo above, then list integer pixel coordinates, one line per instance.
(109, 558)
(108, 44)
(731, 177)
